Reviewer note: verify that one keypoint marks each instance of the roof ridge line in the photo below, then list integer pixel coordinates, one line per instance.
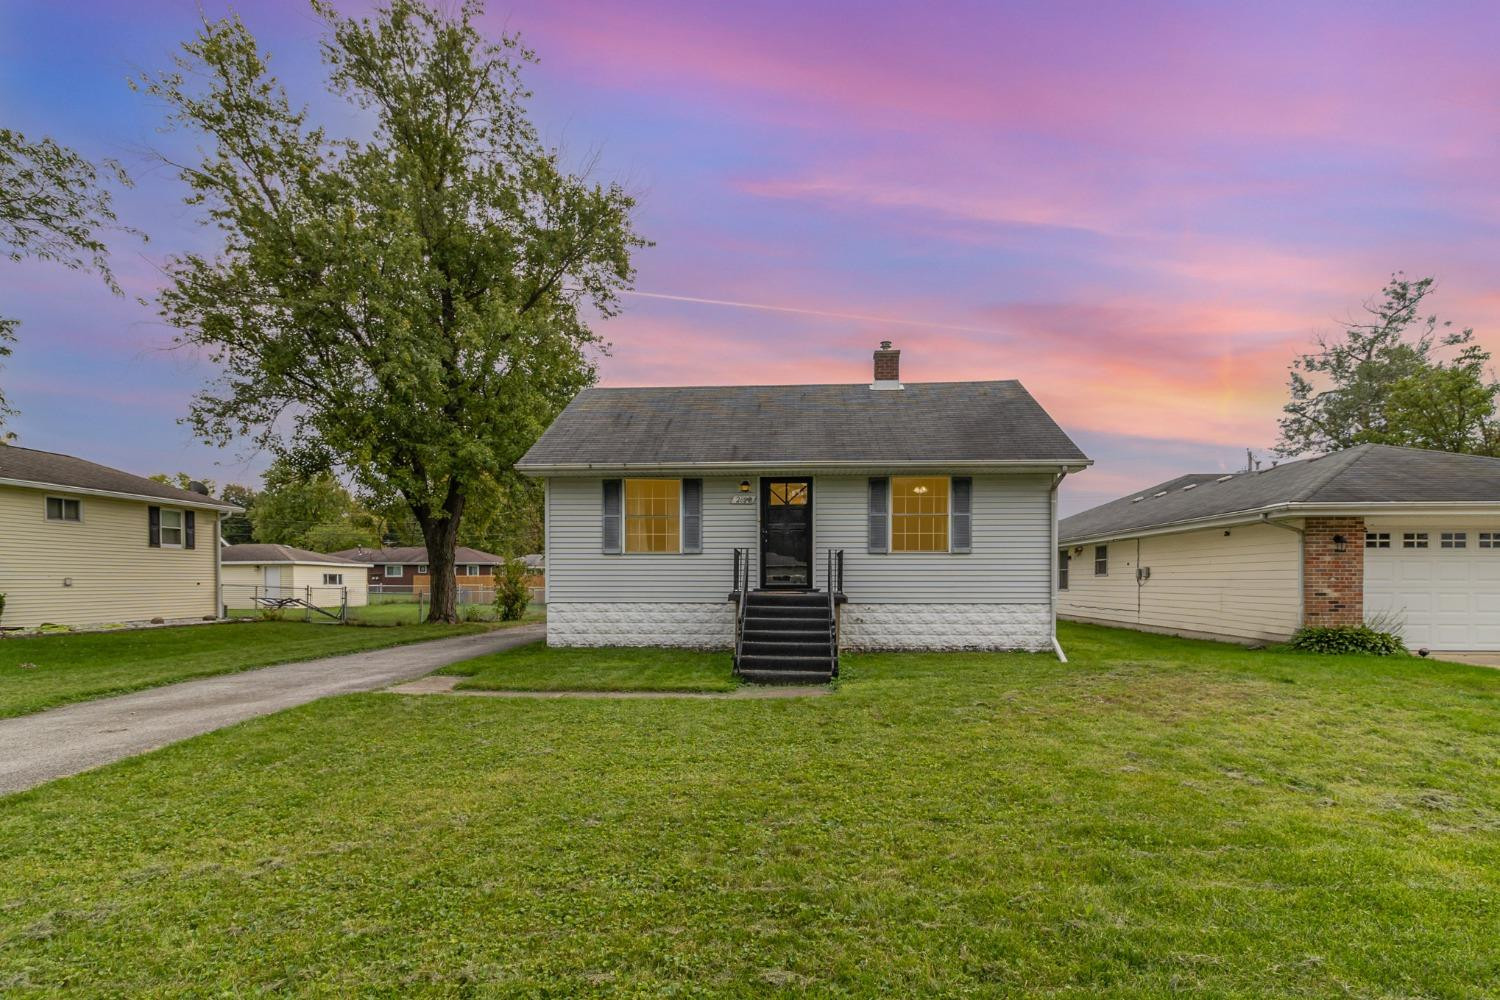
(1349, 456)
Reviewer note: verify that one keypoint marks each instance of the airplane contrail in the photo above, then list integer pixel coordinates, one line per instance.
(766, 307)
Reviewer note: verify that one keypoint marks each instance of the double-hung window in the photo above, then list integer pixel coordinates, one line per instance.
(1101, 560)
(653, 515)
(171, 528)
(919, 513)
(64, 509)
(1063, 558)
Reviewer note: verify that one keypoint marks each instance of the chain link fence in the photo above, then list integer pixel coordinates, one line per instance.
(284, 603)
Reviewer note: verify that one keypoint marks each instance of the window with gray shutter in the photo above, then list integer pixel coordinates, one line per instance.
(692, 515)
(189, 529)
(962, 500)
(879, 518)
(611, 520)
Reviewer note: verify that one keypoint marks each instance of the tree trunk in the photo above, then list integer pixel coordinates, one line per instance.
(441, 536)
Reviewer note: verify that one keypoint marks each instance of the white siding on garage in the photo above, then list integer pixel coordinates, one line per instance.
(1113, 598)
(1242, 583)
(1439, 598)
(1010, 562)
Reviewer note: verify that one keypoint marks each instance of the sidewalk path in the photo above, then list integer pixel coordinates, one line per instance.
(72, 738)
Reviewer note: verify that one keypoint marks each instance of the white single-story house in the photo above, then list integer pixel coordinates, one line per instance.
(255, 570)
(742, 516)
(82, 544)
(1406, 539)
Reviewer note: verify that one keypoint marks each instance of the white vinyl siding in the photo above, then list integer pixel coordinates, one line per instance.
(241, 579)
(1010, 562)
(115, 575)
(578, 569)
(1243, 585)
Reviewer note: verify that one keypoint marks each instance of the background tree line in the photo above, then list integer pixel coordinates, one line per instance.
(314, 510)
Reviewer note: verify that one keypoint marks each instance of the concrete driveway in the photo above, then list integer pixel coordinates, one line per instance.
(1477, 659)
(72, 738)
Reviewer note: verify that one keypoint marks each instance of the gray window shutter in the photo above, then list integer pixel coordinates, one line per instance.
(961, 531)
(692, 515)
(189, 529)
(879, 519)
(613, 502)
(153, 527)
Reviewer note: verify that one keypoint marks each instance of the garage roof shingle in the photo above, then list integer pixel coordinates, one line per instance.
(1365, 474)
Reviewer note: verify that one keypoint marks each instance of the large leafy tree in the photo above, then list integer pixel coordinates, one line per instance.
(412, 303)
(310, 510)
(1400, 377)
(53, 207)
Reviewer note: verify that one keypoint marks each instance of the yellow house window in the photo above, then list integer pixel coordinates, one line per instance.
(653, 515)
(919, 513)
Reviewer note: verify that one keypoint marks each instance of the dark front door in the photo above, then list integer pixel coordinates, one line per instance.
(786, 533)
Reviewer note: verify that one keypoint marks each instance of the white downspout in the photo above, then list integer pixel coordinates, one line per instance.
(1052, 563)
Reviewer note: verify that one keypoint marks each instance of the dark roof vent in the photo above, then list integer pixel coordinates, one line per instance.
(198, 488)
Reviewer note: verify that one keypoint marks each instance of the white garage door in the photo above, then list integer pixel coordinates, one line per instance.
(1444, 583)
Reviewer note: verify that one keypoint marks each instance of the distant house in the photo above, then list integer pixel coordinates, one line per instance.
(405, 569)
(83, 544)
(1407, 538)
(254, 570)
(924, 512)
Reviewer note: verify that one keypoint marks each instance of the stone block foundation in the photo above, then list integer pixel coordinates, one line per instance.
(933, 627)
(691, 626)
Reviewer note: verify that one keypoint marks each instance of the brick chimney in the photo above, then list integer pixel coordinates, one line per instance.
(887, 367)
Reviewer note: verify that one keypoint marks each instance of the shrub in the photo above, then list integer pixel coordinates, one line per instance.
(1347, 639)
(511, 593)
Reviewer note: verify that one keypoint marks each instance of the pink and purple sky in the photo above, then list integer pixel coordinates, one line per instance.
(1142, 211)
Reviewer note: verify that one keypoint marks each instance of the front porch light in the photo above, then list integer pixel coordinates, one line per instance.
(1340, 543)
(744, 486)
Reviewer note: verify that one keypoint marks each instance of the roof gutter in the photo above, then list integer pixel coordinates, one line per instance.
(1053, 466)
(207, 503)
(1290, 509)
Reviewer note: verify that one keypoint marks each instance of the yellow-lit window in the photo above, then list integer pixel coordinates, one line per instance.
(919, 513)
(653, 515)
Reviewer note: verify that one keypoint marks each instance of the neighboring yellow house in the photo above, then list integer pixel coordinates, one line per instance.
(255, 570)
(83, 544)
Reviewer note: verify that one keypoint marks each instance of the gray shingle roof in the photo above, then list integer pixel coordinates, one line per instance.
(408, 555)
(1368, 473)
(66, 472)
(255, 552)
(957, 422)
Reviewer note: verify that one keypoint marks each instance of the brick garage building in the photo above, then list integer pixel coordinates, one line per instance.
(1406, 539)
(404, 569)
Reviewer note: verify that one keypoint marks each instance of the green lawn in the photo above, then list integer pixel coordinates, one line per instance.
(539, 668)
(43, 671)
(1156, 818)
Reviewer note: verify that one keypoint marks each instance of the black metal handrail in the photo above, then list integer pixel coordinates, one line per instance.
(835, 583)
(742, 589)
